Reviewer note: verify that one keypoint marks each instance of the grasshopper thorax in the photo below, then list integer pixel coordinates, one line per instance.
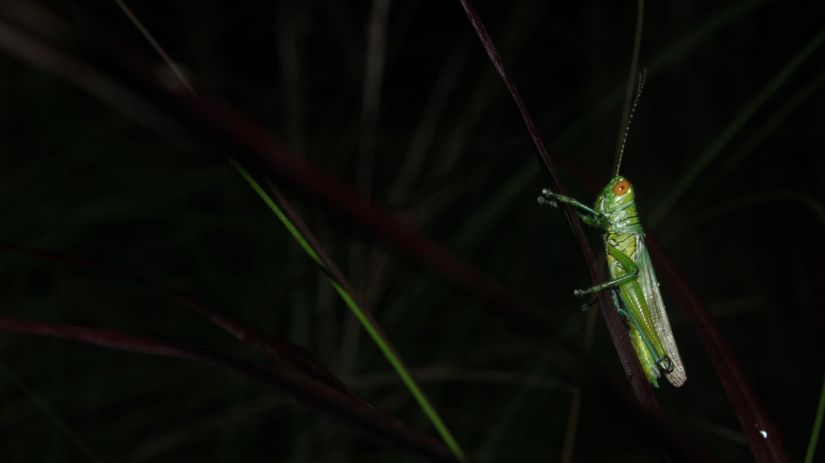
(617, 205)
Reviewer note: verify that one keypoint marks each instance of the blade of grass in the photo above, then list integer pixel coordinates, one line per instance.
(363, 316)
(277, 348)
(383, 267)
(221, 128)
(763, 437)
(201, 428)
(371, 92)
(618, 333)
(511, 413)
(630, 89)
(770, 447)
(337, 281)
(510, 190)
(62, 425)
(747, 407)
(431, 116)
(731, 207)
(307, 391)
(119, 78)
(576, 401)
(749, 146)
(365, 163)
(227, 129)
(817, 429)
(669, 55)
(289, 33)
(758, 429)
(739, 121)
(521, 21)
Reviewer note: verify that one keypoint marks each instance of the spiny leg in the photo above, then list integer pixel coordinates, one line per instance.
(549, 198)
(663, 362)
(587, 214)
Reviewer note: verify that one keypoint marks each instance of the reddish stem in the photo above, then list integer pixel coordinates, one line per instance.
(618, 332)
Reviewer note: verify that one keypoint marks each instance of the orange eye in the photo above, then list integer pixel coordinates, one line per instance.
(621, 188)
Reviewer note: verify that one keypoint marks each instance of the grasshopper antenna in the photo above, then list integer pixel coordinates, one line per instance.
(627, 112)
(626, 131)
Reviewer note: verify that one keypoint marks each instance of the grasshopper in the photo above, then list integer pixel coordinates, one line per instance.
(633, 283)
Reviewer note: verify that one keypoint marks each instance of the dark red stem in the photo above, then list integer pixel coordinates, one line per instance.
(618, 332)
(308, 391)
(763, 437)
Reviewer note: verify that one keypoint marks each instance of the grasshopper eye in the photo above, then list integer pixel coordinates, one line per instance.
(621, 188)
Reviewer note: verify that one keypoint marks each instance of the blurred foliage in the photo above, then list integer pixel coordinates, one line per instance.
(451, 158)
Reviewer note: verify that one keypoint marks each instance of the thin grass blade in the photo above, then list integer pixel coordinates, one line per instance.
(309, 392)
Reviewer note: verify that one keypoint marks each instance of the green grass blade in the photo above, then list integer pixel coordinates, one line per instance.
(663, 59)
(820, 412)
(749, 146)
(509, 415)
(728, 209)
(739, 121)
(49, 412)
(513, 189)
(366, 321)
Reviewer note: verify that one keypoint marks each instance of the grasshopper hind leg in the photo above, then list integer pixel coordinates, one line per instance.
(644, 349)
(619, 306)
(665, 363)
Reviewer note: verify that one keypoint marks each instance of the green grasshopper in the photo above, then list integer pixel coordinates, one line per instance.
(633, 283)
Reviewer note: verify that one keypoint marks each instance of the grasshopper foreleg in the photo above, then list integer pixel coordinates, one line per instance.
(586, 213)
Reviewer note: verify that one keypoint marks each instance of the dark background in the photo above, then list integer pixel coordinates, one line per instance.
(725, 153)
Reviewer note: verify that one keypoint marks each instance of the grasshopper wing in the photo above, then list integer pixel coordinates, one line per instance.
(650, 287)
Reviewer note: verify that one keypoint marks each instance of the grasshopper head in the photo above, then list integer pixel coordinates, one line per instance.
(616, 195)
